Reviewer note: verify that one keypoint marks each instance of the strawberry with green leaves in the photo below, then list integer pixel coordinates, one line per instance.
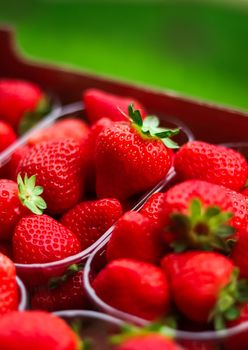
(132, 156)
(8, 286)
(16, 201)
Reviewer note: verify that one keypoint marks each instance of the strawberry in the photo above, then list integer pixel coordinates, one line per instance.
(150, 341)
(89, 220)
(240, 208)
(136, 287)
(153, 209)
(66, 128)
(58, 166)
(211, 279)
(37, 330)
(63, 293)
(7, 135)
(132, 157)
(16, 199)
(240, 340)
(100, 104)
(15, 159)
(41, 239)
(212, 163)
(20, 102)
(135, 237)
(8, 286)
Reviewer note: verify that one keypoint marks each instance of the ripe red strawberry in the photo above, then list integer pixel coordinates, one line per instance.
(131, 157)
(66, 128)
(240, 209)
(37, 330)
(100, 104)
(216, 164)
(7, 135)
(63, 293)
(58, 166)
(150, 341)
(20, 99)
(17, 200)
(41, 239)
(204, 286)
(15, 159)
(89, 220)
(153, 209)
(8, 286)
(240, 340)
(135, 237)
(135, 287)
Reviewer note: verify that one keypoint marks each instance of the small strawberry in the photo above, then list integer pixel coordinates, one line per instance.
(21, 103)
(133, 156)
(136, 287)
(58, 166)
(240, 340)
(89, 220)
(216, 164)
(37, 330)
(8, 286)
(7, 135)
(135, 237)
(41, 239)
(63, 293)
(204, 286)
(16, 201)
(66, 128)
(100, 104)
(153, 209)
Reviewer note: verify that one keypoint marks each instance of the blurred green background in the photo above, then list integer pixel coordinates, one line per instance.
(198, 48)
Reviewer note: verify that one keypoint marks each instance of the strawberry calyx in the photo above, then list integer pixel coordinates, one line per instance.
(29, 194)
(149, 127)
(55, 282)
(229, 299)
(202, 227)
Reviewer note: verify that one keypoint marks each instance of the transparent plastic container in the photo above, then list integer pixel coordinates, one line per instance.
(23, 298)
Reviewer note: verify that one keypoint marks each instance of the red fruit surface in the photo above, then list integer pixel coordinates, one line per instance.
(135, 287)
(100, 104)
(195, 280)
(17, 97)
(216, 164)
(58, 166)
(36, 330)
(11, 208)
(127, 163)
(89, 220)
(15, 160)
(41, 239)
(149, 342)
(7, 135)
(240, 208)
(239, 252)
(66, 128)
(153, 209)
(8, 286)
(239, 341)
(135, 237)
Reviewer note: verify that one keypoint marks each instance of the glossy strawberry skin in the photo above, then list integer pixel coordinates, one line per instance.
(240, 340)
(11, 208)
(100, 104)
(68, 295)
(195, 280)
(38, 330)
(135, 287)
(41, 239)
(127, 163)
(240, 209)
(58, 166)
(8, 286)
(216, 164)
(7, 135)
(135, 237)
(153, 209)
(90, 220)
(17, 97)
(149, 342)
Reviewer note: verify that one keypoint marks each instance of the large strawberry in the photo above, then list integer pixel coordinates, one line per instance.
(8, 286)
(136, 287)
(89, 220)
(7, 135)
(58, 166)
(41, 239)
(135, 237)
(216, 164)
(100, 104)
(21, 102)
(17, 200)
(132, 156)
(37, 330)
(205, 286)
